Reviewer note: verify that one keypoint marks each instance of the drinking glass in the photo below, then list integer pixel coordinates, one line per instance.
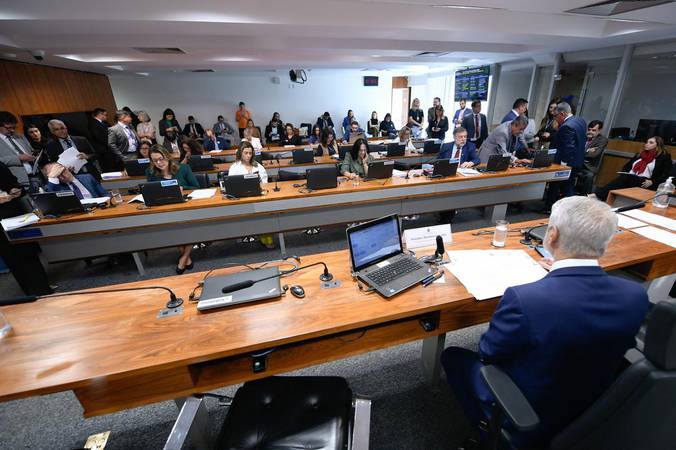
(5, 327)
(116, 197)
(500, 235)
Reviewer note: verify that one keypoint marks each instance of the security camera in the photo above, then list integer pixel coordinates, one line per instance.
(38, 55)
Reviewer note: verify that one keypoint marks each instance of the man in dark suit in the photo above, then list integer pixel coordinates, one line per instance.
(518, 109)
(193, 129)
(570, 149)
(593, 153)
(62, 140)
(83, 184)
(460, 149)
(98, 131)
(561, 339)
(212, 142)
(476, 125)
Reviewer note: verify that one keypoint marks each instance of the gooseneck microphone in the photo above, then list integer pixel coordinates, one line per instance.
(640, 204)
(279, 166)
(174, 302)
(325, 276)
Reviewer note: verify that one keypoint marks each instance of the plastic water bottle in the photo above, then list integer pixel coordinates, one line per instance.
(661, 200)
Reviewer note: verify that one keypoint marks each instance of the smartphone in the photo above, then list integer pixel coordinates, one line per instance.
(543, 251)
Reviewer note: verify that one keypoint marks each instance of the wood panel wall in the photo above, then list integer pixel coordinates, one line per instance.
(35, 89)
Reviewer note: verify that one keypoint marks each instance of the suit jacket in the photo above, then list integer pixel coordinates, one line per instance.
(10, 158)
(467, 111)
(594, 152)
(499, 142)
(467, 152)
(198, 128)
(570, 142)
(99, 135)
(660, 172)
(509, 117)
(167, 145)
(118, 142)
(88, 181)
(54, 147)
(562, 339)
(209, 144)
(468, 124)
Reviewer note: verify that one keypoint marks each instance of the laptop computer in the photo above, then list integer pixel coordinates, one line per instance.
(342, 149)
(213, 297)
(431, 146)
(543, 158)
(445, 168)
(164, 192)
(378, 259)
(379, 170)
(321, 178)
(497, 163)
(303, 156)
(136, 167)
(201, 162)
(240, 186)
(396, 149)
(376, 148)
(57, 203)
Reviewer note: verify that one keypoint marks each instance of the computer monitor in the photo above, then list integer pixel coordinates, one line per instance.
(239, 186)
(380, 170)
(321, 178)
(200, 162)
(57, 203)
(396, 149)
(164, 192)
(303, 156)
(431, 146)
(136, 167)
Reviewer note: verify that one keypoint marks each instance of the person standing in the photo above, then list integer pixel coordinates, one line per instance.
(98, 131)
(242, 116)
(122, 139)
(145, 129)
(460, 114)
(169, 122)
(476, 125)
(518, 109)
(16, 152)
(431, 113)
(416, 117)
(438, 126)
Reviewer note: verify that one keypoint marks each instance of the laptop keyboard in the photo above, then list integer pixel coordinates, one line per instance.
(393, 271)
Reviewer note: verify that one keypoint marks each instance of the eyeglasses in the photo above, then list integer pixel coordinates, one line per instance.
(159, 160)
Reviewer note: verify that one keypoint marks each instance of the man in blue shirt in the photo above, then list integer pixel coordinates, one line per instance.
(561, 339)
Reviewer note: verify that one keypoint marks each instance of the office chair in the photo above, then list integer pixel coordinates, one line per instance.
(288, 175)
(203, 180)
(637, 411)
(282, 413)
(619, 133)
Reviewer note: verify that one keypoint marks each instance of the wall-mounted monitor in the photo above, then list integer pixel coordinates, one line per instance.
(370, 81)
(648, 128)
(472, 84)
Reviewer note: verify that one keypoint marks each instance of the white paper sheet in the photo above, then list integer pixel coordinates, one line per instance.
(69, 158)
(199, 194)
(655, 219)
(138, 198)
(94, 201)
(12, 223)
(487, 274)
(111, 175)
(629, 223)
(468, 172)
(656, 234)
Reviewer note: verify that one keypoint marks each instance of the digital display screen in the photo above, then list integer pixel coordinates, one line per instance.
(374, 242)
(472, 84)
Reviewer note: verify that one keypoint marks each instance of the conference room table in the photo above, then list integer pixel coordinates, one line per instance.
(129, 229)
(117, 350)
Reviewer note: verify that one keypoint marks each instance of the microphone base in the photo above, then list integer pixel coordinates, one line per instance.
(277, 189)
(175, 303)
(326, 277)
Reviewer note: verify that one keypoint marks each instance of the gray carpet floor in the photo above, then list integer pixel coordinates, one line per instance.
(406, 415)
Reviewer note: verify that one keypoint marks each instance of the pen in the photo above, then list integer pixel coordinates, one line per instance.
(433, 278)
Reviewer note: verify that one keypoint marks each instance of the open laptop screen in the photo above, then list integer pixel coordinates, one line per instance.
(374, 241)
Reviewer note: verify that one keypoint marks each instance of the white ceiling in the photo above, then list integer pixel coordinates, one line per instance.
(273, 35)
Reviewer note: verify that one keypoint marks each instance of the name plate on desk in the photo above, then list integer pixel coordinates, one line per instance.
(562, 174)
(427, 236)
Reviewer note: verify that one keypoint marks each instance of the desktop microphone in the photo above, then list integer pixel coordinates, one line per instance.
(276, 188)
(174, 302)
(640, 204)
(325, 276)
(439, 252)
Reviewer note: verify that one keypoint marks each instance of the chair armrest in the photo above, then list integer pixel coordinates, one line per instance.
(361, 426)
(510, 399)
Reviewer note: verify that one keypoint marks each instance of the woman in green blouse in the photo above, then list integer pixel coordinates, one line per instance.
(356, 162)
(163, 168)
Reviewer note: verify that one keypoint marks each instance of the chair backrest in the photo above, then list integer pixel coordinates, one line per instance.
(619, 132)
(288, 175)
(203, 180)
(638, 410)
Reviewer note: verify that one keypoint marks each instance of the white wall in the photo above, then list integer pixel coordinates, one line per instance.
(205, 96)
(512, 85)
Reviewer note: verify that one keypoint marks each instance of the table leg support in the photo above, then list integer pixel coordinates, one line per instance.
(193, 421)
(496, 212)
(139, 264)
(431, 359)
(282, 244)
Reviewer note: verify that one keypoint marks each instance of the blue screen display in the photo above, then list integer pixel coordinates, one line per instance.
(374, 242)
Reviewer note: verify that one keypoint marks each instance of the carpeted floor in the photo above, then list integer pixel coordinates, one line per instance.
(406, 415)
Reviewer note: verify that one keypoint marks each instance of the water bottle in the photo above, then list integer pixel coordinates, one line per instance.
(661, 200)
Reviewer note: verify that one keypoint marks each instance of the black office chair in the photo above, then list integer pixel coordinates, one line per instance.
(288, 175)
(282, 413)
(203, 180)
(619, 133)
(638, 411)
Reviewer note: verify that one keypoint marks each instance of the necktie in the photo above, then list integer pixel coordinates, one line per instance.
(456, 153)
(26, 165)
(477, 126)
(215, 144)
(69, 143)
(76, 190)
(16, 146)
(192, 127)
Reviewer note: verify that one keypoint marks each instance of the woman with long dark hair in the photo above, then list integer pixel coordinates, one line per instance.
(169, 121)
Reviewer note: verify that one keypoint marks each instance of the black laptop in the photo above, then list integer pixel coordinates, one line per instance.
(321, 178)
(543, 158)
(57, 203)
(164, 192)
(445, 168)
(379, 170)
(136, 167)
(376, 148)
(378, 259)
(342, 149)
(201, 162)
(432, 146)
(303, 156)
(396, 149)
(497, 163)
(240, 186)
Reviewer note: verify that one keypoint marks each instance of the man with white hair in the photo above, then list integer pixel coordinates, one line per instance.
(561, 339)
(62, 141)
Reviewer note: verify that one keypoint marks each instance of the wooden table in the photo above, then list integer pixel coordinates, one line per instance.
(115, 353)
(128, 229)
(629, 196)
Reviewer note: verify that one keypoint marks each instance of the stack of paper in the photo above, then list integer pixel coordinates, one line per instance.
(70, 157)
(658, 235)
(111, 175)
(655, 219)
(94, 201)
(468, 172)
(12, 223)
(629, 223)
(199, 194)
(488, 273)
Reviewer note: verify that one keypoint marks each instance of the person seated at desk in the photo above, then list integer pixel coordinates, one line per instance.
(327, 144)
(162, 167)
(387, 128)
(648, 169)
(251, 139)
(83, 185)
(224, 130)
(325, 121)
(274, 130)
(404, 137)
(354, 133)
(460, 149)
(373, 125)
(35, 139)
(193, 129)
(316, 136)
(347, 121)
(246, 164)
(561, 339)
(504, 140)
(356, 162)
(62, 141)
(172, 143)
(190, 147)
(254, 130)
(212, 142)
(143, 149)
(290, 137)
(439, 124)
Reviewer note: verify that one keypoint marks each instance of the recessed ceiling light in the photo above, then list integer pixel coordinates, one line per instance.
(476, 8)
(99, 59)
(233, 59)
(115, 67)
(145, 74)
(627, 20)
